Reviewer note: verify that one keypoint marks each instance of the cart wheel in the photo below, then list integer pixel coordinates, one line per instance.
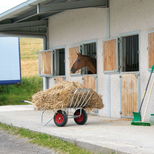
(60, 118)
(82, 119)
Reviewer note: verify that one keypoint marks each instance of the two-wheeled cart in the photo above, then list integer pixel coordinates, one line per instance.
(79, 102)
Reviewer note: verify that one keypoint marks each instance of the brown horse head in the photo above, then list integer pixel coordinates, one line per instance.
(84, 61)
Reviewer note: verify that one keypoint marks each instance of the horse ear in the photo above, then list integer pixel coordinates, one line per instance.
(79, 54)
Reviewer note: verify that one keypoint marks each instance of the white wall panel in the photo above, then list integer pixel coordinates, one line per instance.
(131, 15)
(77, 25)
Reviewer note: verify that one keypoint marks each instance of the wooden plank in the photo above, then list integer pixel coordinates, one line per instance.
(151, 49)
(129, 94)
(73, 56)
(90, 82)
(59, 79)
(110, 55)
(47, 62)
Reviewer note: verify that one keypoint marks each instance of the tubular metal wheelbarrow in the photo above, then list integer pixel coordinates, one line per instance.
(81, 98)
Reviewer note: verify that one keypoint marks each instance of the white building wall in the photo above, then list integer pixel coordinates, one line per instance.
(134, 16)
(73, 27)
(78, 25)
(126, 17)
(131, 15)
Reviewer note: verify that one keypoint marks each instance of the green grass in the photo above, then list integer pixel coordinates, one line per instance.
(14, 94)
(45, 140)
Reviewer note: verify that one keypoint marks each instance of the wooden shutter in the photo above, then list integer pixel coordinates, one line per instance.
(151, 49)
(73, 56)
(129, 94)
(110, 55)
(46, 63)
(90, 82)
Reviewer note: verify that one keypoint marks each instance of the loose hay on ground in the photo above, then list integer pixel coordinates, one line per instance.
(60, 97)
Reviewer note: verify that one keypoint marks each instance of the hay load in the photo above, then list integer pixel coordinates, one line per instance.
(60, 97)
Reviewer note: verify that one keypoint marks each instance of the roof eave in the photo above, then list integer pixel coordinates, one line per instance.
(21, 7)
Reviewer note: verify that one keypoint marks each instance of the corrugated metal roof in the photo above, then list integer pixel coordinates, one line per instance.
(25, 6)
(39, 10)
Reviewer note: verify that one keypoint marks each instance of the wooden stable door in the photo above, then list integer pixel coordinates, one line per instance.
(90, 82)
(129, 94)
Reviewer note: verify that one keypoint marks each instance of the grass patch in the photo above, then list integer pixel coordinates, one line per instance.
(30, 48)
(14, 94)
(45, 140)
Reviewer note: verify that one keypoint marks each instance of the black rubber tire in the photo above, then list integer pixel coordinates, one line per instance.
(60, 118)
(81, 120)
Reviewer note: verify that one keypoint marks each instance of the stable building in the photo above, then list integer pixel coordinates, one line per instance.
(118, 33)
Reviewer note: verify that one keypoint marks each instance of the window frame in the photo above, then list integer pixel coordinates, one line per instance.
(119, 58)
(120, 52)
(55, 62)
(85, 70)
(79, 45)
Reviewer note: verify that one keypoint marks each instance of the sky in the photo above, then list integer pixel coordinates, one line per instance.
(7, 4)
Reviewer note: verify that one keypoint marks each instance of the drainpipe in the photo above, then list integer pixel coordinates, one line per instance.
(45, 79)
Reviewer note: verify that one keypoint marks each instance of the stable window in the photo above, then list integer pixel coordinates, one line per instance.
(59, 62)
(45, 63)
(52, 63)
(110, 56)
(89, 49)
(129, 53)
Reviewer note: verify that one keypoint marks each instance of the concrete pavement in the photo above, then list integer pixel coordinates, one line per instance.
(10, 144)
(101, 134)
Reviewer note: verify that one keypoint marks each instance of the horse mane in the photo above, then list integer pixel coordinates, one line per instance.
(93, 60)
